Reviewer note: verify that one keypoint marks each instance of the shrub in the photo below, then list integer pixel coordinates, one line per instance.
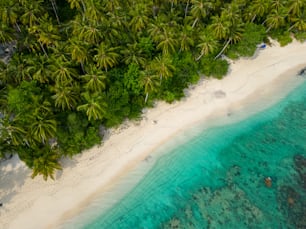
(252, 36)
(215, 68)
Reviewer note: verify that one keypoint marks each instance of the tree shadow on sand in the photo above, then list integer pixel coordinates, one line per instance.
(13, 174)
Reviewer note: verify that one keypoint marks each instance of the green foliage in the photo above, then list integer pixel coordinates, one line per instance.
(146, 44)
(117, 98)
(185, 74)
(42, 159)
(253, 35)
(131, 80)
(300, 36)
(20, 99)
(46, 164)
(91, 137)
(215, 68)
(82, 64)
(283, 37)
(76, 134)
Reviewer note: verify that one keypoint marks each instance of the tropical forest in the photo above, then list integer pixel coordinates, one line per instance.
(70, 69)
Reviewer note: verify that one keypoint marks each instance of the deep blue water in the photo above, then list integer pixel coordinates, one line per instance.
(217, 179)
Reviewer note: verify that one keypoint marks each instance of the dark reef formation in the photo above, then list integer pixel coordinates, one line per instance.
(292, 198)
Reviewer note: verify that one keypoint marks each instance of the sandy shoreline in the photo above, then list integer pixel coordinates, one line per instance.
(37, 204)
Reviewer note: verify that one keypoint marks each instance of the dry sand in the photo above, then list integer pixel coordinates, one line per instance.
(36, 204)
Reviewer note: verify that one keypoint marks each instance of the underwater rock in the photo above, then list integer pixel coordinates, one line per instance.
(300, 167)
(293, 206)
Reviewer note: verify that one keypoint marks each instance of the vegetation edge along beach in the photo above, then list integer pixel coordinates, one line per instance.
(80, 67)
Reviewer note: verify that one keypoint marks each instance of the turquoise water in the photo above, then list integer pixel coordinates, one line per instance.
(217, 179)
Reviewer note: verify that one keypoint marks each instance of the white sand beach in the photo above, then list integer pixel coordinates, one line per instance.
(36, 204)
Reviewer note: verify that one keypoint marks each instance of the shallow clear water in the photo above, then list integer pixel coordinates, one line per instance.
(217, 178)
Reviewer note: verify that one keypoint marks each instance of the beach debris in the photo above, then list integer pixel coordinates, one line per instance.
(148, 158)
(268, 182)
(219, 94)
(302, 72)
(262, 46)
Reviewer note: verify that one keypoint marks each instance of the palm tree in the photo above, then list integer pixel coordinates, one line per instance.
(62, 72)
(39, 68)
(92, 13)
(231, 14)
(299, 23)
(11, 130)
(186, 38)
(77, 4)
(139, 18)
(33, 10)
(117, 19)
(157, 28)
(234, 36)
(296, 7)
(276, 19)
(149, 82)
(90, 33)
(46, 33)
(208, 44)
(66, 96)
(78, 51)
(258, 8)
(42, 129)
(6, 34)
(200, 9)
(106, 56)
(15, 71)
(46, 163)
(95, 80)
(133, 54)
(94, 106)
(219, 27)
(111, 6)
(111, 34)
(277, 4)
(167, 43)
(9, 11)
(162, 66)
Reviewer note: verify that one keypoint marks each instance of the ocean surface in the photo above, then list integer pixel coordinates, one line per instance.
(248, 174)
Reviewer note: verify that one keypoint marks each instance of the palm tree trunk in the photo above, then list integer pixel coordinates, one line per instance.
(18, 28)
(291, 27)
(82, 66)
(42, 47)
(268, 29)
(147, 96)
(53, 3)
(225, 46)
(84, 7)
(199, 57)
(186, 8)
(195, 22)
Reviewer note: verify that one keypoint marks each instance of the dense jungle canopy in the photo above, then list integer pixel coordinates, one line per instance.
(80, 65)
